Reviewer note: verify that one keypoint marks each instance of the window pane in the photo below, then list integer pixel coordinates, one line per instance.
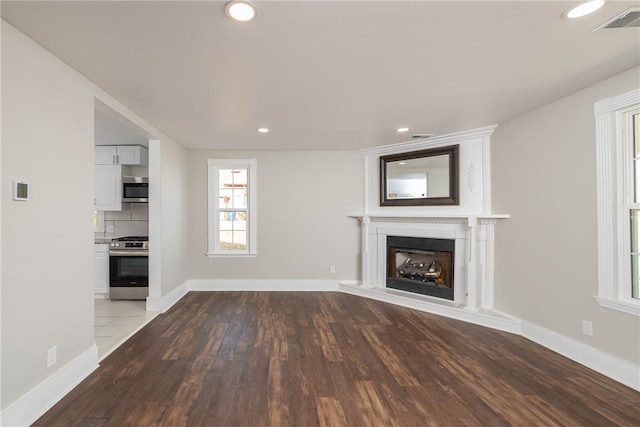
(636, 158)
(635, 239)
(224, 198)
(225, 221)
(233, 188)
(636, 135)
(634, 277)
(239, 198)
(233, 231)
(636, 180)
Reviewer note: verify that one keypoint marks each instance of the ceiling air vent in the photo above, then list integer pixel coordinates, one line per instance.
(422, 135)
(628, 18)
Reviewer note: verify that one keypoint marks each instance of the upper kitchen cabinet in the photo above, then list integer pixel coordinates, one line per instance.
(121, 155)
(108, 187)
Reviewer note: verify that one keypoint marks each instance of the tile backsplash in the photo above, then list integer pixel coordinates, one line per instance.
(134, 222)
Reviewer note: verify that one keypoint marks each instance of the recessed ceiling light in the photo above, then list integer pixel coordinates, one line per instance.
(582, 9)
(241, 10)
(263, 130)
(402, 129)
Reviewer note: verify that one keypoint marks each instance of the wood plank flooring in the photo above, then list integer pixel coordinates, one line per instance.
(330, 359)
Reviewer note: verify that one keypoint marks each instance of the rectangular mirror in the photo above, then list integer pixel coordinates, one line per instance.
(420, 178)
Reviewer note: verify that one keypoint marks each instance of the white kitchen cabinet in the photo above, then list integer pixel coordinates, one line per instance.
(108, 187)
(121, 155)
(105, 154)
(101, 270)
(132, 155)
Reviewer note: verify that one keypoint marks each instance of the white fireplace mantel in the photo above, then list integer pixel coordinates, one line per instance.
(474, 236)
(470, 223)
(427, 218)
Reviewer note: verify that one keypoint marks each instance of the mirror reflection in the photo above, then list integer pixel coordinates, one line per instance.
(427, 177)
(418, 178)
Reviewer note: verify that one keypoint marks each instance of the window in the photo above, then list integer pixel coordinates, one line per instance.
(232, 207)
(632, 207)
(618, 167)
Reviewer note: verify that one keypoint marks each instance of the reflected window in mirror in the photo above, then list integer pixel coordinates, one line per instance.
(420, 178)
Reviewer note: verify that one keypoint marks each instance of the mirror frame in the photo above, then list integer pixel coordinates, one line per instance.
(453, 199)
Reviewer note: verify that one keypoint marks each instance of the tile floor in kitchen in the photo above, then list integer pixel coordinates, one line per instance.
(116, 321)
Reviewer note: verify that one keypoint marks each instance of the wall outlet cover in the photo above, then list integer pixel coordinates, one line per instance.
(51, 356)
(587, 328)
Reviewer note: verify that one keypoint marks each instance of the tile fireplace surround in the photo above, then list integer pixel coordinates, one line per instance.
(471, 224)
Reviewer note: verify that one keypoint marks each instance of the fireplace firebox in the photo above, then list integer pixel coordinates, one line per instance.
(421, 265)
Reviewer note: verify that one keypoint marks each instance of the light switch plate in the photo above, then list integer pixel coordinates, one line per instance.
(20, 190)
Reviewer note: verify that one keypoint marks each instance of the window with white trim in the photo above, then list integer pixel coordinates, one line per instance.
(631, 208)
(618, 168)
(232, 209)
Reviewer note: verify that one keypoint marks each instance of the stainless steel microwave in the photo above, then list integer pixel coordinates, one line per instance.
(135, 189)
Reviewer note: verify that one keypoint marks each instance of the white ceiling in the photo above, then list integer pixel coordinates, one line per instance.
(328, 74)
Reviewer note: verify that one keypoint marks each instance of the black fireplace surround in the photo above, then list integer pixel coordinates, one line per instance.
(421, 265)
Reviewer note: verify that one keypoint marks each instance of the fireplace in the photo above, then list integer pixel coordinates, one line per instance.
(421, 265)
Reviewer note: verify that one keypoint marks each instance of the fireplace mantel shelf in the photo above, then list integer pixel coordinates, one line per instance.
(456, 218)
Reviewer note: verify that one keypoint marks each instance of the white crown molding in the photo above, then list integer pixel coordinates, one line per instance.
(430, 142)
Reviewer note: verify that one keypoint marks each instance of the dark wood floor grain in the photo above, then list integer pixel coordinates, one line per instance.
(330, 359)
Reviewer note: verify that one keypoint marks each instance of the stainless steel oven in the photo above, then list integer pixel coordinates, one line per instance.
(129, 268)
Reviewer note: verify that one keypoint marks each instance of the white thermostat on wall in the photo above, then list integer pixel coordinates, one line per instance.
(20, 190)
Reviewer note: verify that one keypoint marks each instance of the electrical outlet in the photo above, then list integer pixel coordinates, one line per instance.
(587, 328)
(111, 228)
(332, 269)
(51, 356)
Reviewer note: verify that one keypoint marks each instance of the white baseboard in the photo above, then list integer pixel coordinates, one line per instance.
(490, 319)
(262, 285)
(617, 369)
(164, 303)
(620, 370)
(39, 400)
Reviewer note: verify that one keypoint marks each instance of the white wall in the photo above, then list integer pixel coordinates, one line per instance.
(174, 229)
(47, 242)
(544, 175)
(304, 198)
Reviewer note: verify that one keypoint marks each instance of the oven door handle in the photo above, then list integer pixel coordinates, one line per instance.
(128, 253)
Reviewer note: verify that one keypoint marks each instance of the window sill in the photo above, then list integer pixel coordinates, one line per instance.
(629, 307)
(231, 255)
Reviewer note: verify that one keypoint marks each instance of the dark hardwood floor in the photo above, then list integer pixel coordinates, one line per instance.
(330, 359)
